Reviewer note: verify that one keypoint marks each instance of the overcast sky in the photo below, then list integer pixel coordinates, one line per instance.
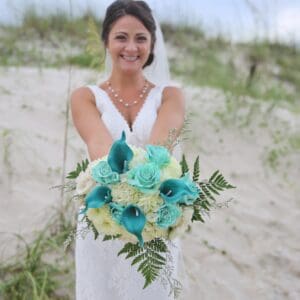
(239, 19)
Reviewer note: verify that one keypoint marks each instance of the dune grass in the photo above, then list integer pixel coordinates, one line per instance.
(54, 40)
(260, 69)
(42, 270)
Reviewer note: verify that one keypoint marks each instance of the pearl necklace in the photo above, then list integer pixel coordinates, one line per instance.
(128, 104)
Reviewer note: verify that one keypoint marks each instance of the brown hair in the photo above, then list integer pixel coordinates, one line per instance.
(138, 9)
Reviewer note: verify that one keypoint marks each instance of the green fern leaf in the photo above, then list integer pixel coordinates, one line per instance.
(196, 215)
(184, 165)
(91, 226)
(149, 258)
(111, 237)
(205, 191)
(134, 252)
(212, 189)
(196, 172)
(219, 182)
(138, 259)
(214, 175)
(84, 164)
(205, 205)
(80, 167)
(157, 257)
(129, 247)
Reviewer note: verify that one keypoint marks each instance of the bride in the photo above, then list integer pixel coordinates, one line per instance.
(136, 98)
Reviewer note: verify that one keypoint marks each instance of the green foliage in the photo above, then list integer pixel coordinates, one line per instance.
(81, 167)
(196, 171)
(151, 258)
(208, 189)
(184, 165)
(215, 62)
(30, 275)
(294, 142)
(92, 226)
(197, 214)
(94, 45)
(59, 22)
(83, 60)
(215, 184)
(199, 59)
(111, 237)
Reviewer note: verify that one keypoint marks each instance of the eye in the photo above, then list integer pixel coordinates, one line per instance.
(120, 37)
(142, 39)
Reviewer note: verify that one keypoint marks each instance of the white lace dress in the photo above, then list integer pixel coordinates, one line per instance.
(100, 273)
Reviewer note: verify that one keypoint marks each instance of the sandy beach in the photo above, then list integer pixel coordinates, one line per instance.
(249, 249)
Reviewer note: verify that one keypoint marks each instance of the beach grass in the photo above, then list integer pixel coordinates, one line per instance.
(263, 72)
(42, 269)
(259, 69)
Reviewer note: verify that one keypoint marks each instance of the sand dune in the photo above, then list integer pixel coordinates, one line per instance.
(248, 250)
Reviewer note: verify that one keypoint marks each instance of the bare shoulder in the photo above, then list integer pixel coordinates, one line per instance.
(82, 95)
(174, 95)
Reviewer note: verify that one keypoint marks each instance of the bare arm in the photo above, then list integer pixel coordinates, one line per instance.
(170, 116)
(88, 123)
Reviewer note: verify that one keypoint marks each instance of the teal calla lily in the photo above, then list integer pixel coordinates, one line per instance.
(120, 155)
(97, 197)
(181, 190)
(134, 221)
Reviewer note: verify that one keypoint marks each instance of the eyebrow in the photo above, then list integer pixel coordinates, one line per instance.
(122, 32)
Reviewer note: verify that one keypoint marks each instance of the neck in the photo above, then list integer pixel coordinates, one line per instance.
(124, 81)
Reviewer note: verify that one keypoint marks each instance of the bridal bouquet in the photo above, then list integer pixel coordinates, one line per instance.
(144, 197)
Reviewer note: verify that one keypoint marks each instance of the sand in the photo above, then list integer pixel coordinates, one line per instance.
(248, 250)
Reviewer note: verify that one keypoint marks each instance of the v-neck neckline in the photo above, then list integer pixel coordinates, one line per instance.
(120, 113)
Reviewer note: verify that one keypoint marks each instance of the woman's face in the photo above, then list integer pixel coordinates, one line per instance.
(129, 44)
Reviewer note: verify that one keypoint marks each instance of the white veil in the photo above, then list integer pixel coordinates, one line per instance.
(158, 72)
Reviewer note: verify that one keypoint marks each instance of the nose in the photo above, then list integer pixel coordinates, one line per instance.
(131, 46)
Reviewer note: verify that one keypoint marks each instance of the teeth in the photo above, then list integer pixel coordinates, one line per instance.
(130, 58)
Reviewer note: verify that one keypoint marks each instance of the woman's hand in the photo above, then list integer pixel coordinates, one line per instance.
(170, 118)
(88, 123)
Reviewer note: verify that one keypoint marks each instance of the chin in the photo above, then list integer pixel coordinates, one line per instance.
(131, 70)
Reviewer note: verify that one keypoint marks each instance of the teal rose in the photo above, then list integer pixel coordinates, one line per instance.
(103, 173)
(116, 211)
(145, 177)
(158, 155)
(167, 215)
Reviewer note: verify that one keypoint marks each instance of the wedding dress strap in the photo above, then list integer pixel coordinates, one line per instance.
(159, 95)
(99, 97)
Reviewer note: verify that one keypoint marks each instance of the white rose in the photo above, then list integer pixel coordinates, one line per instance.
(139, 157)
(84, 182)
(171, 171)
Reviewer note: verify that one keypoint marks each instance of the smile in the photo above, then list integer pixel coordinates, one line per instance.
(130, 58)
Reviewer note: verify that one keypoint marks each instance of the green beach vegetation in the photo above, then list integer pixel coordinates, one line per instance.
(254, 76)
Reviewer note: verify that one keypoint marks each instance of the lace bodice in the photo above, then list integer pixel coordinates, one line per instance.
(116, 123)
